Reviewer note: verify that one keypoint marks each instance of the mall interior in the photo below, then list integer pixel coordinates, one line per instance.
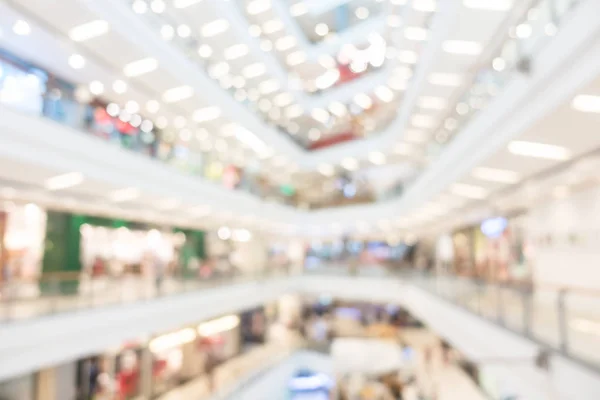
(299, 199)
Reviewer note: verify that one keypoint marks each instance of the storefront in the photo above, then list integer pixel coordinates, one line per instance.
(21, 85)
(22, 231)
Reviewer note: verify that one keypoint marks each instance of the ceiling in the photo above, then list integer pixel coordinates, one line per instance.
(260, 83)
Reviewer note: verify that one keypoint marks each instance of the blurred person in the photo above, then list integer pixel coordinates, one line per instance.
(159, 273)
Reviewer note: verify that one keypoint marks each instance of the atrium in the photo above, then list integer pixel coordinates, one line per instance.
(267, 199)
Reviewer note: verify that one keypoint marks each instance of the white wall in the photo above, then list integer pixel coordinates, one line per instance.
(561, 261)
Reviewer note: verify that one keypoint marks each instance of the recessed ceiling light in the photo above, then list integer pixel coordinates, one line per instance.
(185, 3)
(444, 79)
(586, 103)
(184, 31)
(384, 94)
(89, 30)
(539, 150)
(285, 43)
(140, 67)
(152, 106)
(64, 181)
(293, 111)
(132, 107)
(338, 109)
(491, 5)
(326, 169)
(422, 121)
(254, 70)
(158, 6)
(496, 175)
(167, 32)
(296, 58)
(377, 157)
(127, 194)
(363, 100)
(408, 57)
(177, 94)
(139, 7)
(425, 5)
(21, 28)
(256, 7)
(415, 33)
(499, 64)
(272, 26)
(350, 163)
(207, 114)
(361, 12)
(283, 99)
(463, 47)
(394, 21)
(96, 88)
(320, 115)
(432, 103)
(236, 51)
(523, 31)
(327, 79)
(214, 28)
(469, 191)
(76, 61)
(113, 109)
(321, 29)
(298, 9)
(269, 86)
(205, 51)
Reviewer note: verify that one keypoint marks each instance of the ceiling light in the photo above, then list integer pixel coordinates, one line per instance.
(139, 7)
(314, 134)
(496, 175)
(214, 28)
(326, 169)
(408, 57)
(424, 5)
(321, 29)
(127, 194)
(96, 88)
(377, 157)
(469, 191)
(394, 21)
(539, 150)
(415, 33)
(384, 94)
(184, 31)
(363, 101)
(586, 103)
(256, 7)
(158, 6)
(362, 13)
(219, 71)
(272, 26)
(185, 3)
(113, 109)
(462, 47)
(298, 9)
(264, 105)
(167, 32)
(236, 51)
(422, 121)
(152, 106)
(293, 111)
(403, 149)
(239, 82)
(178, 94)
(205, 51)
(499, 64)
(285, 43)
(140, 67)
(135, 120)
(523, 31)
(432, 103)
(397, 83)
(327, 79)
(269, 86)
(443, 79)
(350, 163)
(283, 99)
(254, 70)
(132, 107)
(338, 109)
(296, 58)
(147, 126)
(251, 140)
(207, 114)
(64, 181)
(89, 30)
(21, 28)
(76, 61)
(320, 115)
(491, 5)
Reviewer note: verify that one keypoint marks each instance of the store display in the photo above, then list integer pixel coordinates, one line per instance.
(21, 85)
